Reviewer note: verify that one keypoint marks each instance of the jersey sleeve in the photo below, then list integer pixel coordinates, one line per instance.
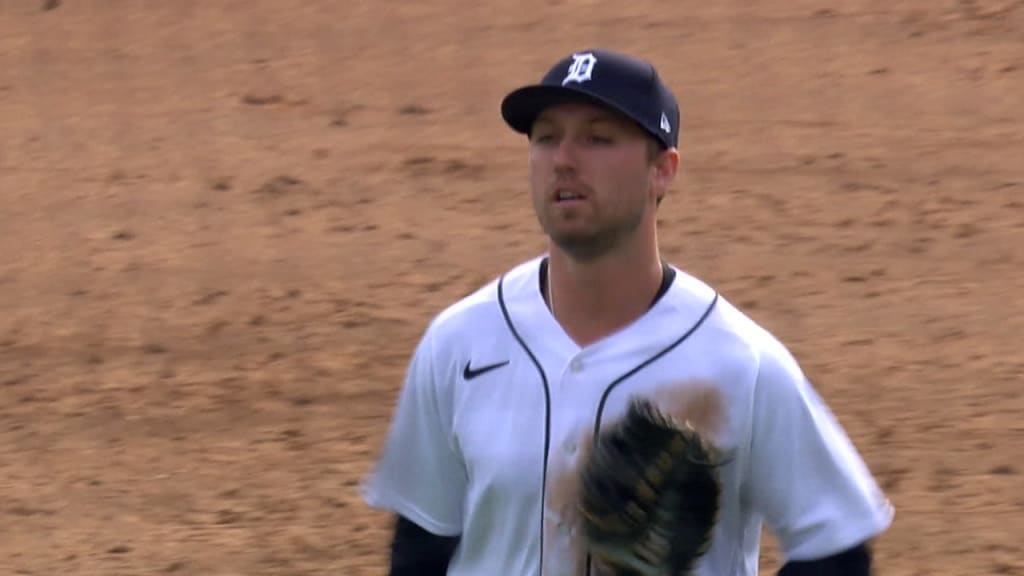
(805, 476)
(420, 474)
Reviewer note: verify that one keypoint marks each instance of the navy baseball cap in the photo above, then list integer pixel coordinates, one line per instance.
(621, 82)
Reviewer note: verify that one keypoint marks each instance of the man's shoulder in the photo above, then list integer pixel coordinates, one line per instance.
(727, 321)
(480, 309)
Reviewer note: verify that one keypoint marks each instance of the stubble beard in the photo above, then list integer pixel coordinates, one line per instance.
(592, 245)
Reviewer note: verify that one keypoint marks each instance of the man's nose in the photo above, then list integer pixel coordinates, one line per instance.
(565, 153)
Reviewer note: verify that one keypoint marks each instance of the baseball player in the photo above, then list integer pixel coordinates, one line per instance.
(506, 384)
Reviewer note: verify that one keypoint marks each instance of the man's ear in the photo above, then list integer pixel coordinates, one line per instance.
(666, 166)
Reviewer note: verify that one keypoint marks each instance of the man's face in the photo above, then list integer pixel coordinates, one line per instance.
(593, 178)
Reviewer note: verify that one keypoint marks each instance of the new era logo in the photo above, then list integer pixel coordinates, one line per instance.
(665, 124)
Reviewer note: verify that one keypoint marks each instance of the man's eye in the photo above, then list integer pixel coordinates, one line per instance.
(598, 139)
(542, 138)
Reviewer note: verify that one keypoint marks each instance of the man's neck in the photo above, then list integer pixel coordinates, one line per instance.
(594, 299)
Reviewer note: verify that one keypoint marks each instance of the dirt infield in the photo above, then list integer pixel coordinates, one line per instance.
(226, 223)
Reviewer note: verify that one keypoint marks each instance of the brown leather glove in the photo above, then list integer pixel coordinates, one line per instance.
(649, 495)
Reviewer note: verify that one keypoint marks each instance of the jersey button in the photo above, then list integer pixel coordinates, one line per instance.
(570, 447)
(576, 365)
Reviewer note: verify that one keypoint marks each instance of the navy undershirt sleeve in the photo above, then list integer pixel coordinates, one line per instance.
(417, 552)
(853, 562)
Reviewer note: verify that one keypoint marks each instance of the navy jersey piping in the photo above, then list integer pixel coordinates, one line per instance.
(608, 390)
(547, 411)
(645, 363)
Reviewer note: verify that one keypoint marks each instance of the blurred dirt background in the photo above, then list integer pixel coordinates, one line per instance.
(224, 225)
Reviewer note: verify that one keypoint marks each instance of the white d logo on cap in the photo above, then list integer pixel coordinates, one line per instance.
(581, 68)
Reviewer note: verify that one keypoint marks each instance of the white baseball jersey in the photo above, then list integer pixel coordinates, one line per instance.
(497, 398)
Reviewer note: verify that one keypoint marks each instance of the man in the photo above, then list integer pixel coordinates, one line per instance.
(505, 382)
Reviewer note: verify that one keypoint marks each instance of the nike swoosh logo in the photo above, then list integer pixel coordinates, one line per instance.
(469, 372)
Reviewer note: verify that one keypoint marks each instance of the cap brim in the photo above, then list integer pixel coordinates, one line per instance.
(521, 107)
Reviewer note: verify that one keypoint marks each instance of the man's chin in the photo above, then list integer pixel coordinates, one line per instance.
(583, 247)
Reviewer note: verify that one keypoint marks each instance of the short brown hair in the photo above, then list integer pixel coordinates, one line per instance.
(654, 149)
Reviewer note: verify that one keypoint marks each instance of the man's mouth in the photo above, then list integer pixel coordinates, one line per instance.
(568, 196)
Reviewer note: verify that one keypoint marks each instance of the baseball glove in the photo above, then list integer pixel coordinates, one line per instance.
(649, 495)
